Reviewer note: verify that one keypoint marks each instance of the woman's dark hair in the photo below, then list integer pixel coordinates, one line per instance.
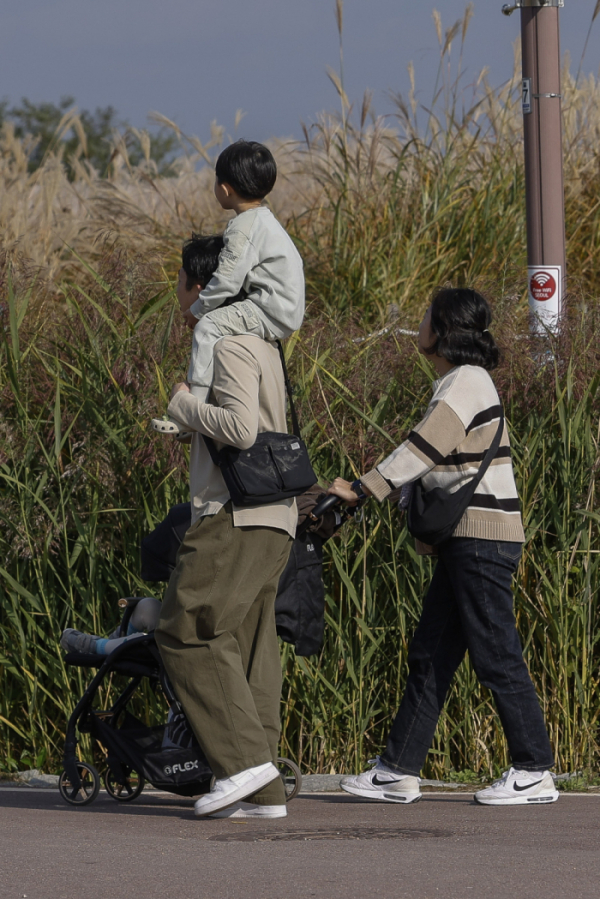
(248, 167)
(200, 258)
(460, 319)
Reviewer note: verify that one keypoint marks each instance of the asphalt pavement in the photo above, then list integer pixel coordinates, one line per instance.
(330, 846)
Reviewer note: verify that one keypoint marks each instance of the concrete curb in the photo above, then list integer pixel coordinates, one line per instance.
(311, 783)
(33, 778)
(330, 783)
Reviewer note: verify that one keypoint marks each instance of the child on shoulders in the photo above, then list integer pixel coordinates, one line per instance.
(258, 266)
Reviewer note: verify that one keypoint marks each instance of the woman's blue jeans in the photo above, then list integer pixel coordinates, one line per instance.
(469, 606)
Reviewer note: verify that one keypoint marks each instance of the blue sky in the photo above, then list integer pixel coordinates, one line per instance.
(196, 61)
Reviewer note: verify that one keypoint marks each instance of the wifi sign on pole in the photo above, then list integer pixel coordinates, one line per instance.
(545, 284)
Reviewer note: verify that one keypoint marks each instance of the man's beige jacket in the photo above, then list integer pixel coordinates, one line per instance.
(247, 397)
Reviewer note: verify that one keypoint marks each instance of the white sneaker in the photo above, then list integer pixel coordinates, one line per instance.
(383, 784)
(519, 788)
(227, 790)
(251, 810)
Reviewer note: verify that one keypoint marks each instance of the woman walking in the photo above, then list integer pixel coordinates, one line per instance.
(469, 604)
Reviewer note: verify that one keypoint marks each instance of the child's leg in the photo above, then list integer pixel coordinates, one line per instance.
(228, 321)
(76, 641)
(105, 645)
(143, 621)
(145, 616)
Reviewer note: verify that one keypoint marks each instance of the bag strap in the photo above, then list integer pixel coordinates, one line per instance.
(288, 387)
(210, 444)
(493, 449)
(213, 451)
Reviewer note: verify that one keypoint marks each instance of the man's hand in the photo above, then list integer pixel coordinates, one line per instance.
(183, 385)
(190, 319)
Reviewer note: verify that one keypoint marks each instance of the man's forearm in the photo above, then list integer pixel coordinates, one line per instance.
(231, 426)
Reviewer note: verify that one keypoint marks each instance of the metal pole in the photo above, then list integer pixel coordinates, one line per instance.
(542, 123)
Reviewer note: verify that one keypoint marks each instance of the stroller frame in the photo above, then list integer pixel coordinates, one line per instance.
(134, 751)
(127, 740)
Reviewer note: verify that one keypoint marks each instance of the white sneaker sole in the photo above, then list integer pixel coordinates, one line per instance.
(258, 811)
(540, 799)
(257, 783)
(381, 795)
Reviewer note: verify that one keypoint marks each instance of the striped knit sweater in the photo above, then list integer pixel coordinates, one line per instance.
(446, 448)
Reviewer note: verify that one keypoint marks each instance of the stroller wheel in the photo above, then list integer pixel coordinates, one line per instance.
(291, 777)
(90, 785)
(126, 792)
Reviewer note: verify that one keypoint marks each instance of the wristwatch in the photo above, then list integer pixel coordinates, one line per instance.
(357, 487)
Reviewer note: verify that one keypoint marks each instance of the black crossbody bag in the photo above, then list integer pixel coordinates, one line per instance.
(276, 467)
(433, 515)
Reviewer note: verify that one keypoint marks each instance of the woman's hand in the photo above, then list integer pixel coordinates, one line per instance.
(344, 490)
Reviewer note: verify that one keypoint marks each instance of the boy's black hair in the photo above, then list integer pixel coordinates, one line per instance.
(200, 258)
(460, 318)
(249, 168)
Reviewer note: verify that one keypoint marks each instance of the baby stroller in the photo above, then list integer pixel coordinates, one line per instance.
(168, 755)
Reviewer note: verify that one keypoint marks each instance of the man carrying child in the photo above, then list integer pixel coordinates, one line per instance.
(217, 632)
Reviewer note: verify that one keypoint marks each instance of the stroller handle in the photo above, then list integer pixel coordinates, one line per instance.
(331, 501)
(327, 503)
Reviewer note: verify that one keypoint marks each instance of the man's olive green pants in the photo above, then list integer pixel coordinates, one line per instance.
(218, 642)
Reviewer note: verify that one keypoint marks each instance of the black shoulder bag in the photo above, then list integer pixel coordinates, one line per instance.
(276, 467)
(433, 515)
